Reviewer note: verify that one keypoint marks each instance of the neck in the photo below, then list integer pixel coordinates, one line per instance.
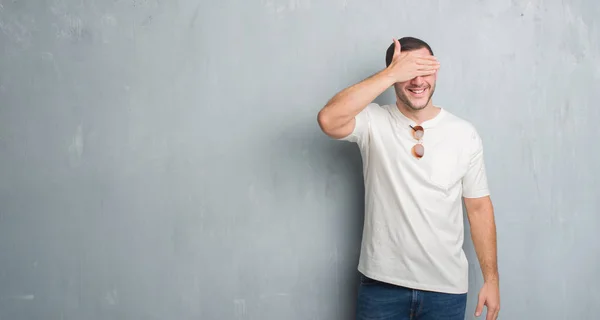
(419, 116)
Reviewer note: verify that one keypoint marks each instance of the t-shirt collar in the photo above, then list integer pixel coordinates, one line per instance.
(426, 124)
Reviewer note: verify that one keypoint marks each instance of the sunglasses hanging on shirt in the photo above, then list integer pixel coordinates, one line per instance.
(418, 150)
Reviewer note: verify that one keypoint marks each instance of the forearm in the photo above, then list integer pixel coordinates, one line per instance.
(346, 104)
(483, 234)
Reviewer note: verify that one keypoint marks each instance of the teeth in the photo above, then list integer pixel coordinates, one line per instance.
(418, 91)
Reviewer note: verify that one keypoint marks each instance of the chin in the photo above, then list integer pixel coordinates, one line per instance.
(417, 107)
(417, 104)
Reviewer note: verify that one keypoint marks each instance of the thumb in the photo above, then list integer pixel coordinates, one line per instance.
(396, 47)
(480, 302)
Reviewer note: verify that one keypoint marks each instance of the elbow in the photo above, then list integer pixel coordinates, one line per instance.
(324, 120)
(332, 124)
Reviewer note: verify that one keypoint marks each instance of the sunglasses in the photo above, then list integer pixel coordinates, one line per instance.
(418, 150)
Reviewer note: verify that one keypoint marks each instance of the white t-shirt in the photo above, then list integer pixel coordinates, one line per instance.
(413, 230)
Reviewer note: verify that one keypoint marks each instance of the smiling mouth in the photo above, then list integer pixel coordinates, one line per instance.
(417, 91)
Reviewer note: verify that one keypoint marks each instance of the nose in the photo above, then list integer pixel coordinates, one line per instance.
(417, 81)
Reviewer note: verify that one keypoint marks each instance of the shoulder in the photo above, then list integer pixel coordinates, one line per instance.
(462, 128)
(373, 113)
(374, 108)
(378, 112)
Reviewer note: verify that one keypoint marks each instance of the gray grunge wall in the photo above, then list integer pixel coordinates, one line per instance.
(162, 159)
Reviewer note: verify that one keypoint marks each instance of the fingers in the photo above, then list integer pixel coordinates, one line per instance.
(428, 64)
(492, 312)
(492, 315)
(428, 67)
(480, 302)
(428, 60)
(425, 73)
(427, 70)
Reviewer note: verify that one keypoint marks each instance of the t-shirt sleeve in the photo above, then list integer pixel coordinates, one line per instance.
(475, 183)
(360, 134)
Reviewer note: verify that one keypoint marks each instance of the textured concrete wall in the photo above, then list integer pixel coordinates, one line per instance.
(161, 159)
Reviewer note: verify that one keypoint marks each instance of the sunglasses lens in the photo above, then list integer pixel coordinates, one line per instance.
(419, 134)
(418, 150)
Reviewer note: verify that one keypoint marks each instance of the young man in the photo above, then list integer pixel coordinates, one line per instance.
(419, 163)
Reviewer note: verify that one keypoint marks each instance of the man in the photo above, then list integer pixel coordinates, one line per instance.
(419, 163)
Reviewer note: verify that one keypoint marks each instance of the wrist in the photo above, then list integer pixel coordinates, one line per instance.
(492, 278)
(388, 76)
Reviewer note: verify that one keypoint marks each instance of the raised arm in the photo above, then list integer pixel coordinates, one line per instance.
(337, 118)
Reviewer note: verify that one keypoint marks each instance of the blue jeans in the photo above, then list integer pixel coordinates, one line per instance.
(378, 300)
